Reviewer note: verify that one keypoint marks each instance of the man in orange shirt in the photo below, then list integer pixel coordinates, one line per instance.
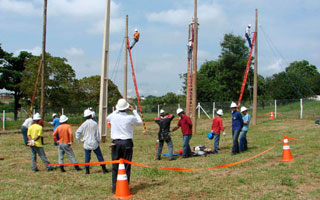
(136, 37)
(64, 132)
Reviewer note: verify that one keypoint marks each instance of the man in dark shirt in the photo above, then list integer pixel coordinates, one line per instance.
(186, 129)
(237, 124)
(164, 122)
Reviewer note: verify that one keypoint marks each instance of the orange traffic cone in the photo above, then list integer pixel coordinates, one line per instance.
(286, 154)
(271, 116)
(122, 187)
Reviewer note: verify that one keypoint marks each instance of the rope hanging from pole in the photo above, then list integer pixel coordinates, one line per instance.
(35, 88)
(247, 70)
(136, 87)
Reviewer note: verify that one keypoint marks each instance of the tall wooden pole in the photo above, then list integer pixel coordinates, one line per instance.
(44, 33)
(103, 104)
(255, 77)
(194, 70)
(188, 102)
(125, 84)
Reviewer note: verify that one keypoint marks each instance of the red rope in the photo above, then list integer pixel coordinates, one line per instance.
(247, 71)
(136, 86)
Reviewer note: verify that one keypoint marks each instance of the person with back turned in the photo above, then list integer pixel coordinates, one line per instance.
(121, 134)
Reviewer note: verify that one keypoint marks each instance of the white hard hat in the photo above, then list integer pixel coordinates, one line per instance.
(54, 114)
(233, 105)
(249, 25)
(136, 30)
(179, 110)
(63, 119)
(243, 109)
(87, 113)
(161, 111)
(93, 114)
(220, 112)
(122, 104)
(36, 116)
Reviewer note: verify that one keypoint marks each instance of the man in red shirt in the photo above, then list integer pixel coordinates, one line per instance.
(64, 132)
(186, 129)
(216, 127)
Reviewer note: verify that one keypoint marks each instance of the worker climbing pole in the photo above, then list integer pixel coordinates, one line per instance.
(247, 70)
(189, 71)
(136, 87)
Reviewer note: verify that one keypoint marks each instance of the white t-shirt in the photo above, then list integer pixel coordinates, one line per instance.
(27, 123)
(122, 124)
(248, 31)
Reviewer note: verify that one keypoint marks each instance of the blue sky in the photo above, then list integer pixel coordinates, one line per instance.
(75, 31)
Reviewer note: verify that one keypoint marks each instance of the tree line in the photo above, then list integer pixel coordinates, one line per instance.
(62, 89)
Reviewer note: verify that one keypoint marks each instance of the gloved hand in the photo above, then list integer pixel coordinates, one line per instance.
(55, 143)
(212, 131)
(32, 143)
(224, 133)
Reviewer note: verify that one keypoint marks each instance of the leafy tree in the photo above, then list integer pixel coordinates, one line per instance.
(11, 74)
(59, 79)
(87, 92)
(221, 79)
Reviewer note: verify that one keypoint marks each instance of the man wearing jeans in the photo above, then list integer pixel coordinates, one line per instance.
(186, 129)
(24, 129)
(164, 122)
(63, 136)
(237, 124)
(216, 127)
(121, 134)
(243, 134)
(35, 133)
(91, 139)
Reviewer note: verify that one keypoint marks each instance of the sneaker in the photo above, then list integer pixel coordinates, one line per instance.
(35, 170)
(172, 159)
(51, 169)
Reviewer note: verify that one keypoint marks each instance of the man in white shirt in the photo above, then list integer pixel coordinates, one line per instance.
(248, 35)
(24, 129)
(91, 140)
(121, 134)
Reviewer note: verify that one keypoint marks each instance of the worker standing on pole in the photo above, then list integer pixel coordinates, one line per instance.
(136, 37)
(189, 45)
(248, 35)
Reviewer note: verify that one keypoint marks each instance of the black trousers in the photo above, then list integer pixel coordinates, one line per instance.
(249, 40)
(122, 149)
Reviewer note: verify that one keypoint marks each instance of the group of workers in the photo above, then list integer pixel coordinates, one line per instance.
(240, 127)
(122, 125)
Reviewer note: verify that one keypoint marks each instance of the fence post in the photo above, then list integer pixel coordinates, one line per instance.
(62, 111)
(199, 110)
(4, 120)
(213, 109)
(178, 105)
(301, 108)
(275, 109)
(158, 110)
(34, 111)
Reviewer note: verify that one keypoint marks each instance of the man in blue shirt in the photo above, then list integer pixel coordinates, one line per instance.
(237, 124)
(243, 134)
(55, 122)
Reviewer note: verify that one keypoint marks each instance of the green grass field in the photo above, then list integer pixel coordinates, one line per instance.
(264, 177)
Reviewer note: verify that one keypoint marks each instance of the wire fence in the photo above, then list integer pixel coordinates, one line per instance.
(285, 109)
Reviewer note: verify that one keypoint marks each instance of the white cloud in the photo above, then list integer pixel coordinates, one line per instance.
(116, 25)
(35, 51)
(19, 7)
(207, 13)
(74, 51)
(275, 67)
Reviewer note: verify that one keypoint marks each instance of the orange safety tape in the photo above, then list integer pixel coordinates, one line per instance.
(175, 169)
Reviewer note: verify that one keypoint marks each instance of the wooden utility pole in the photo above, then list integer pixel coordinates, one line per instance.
(125, 84)
(255, 77)
(194, 70)
(44, 33)
(103, 104)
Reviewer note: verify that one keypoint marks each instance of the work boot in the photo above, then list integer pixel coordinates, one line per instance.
(77, 168)
(104, 169)
(87, 170)
(172, 158)
(62, 169)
